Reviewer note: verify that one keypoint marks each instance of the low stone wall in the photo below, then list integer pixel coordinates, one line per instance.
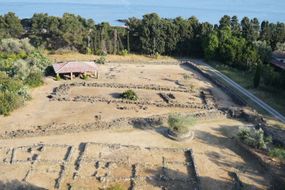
(129, 86)
(58, 129)
(61, 93)
(193, 167)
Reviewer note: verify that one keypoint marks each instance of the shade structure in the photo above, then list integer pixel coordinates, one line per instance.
(75, 67)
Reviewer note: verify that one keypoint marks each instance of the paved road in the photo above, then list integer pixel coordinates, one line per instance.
(245, 92)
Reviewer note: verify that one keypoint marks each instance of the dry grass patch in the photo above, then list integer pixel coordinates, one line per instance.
(75, 56)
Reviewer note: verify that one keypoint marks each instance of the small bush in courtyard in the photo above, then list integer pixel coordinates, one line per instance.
(254, 137)
(180, 124)
(130, 95)
(85, 77)
(57, 78)
(101, 60)
(277, 153)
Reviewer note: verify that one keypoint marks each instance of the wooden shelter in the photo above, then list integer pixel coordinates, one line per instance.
(76, 68)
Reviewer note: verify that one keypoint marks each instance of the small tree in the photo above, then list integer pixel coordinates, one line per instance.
(130, 95)
(180, 124)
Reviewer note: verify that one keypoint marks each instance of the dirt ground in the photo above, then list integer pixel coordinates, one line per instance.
(215, 153)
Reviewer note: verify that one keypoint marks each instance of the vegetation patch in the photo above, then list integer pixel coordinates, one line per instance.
(116, 187)
(129, 95)
(254, 138)
(101, 60)
(277, 153)
(179, 124)
(21, 67)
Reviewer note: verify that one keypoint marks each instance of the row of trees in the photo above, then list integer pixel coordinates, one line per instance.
(149, 35)
(67, 32)
(246, 44)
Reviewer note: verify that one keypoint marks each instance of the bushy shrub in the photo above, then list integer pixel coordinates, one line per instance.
(156, 55)
(124, 52)
(9, 101)
(277, 153)
(20, 66)
(34, 79)
(21, 69)
(26, 46)
(130, 95)
(10, 46)
(12, 94)
(89, 51)
(254, 137)
(101, 60)
(38, 61)
(15, 46)
(85, 77)
(180, 124)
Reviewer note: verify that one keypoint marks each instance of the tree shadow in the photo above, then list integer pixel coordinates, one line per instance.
(248, 165)
(116, 95)
(18, 185)
(152, 124)
(166, 178)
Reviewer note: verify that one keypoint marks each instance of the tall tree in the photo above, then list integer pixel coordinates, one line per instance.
(235, 26)
(210, 46)
(225, 22)
(152, 36)
(265, 33)
(12, 25)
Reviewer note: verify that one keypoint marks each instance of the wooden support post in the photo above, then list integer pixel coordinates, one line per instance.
(71, 76)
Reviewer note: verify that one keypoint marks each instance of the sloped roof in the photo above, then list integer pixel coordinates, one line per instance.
(278, 64)
(75, 67)
(279, 54)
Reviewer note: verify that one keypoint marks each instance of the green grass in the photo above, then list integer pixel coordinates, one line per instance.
(277, 153)
(243, 78)
(273, 97)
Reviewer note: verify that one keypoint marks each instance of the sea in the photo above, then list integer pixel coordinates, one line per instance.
(112, 10)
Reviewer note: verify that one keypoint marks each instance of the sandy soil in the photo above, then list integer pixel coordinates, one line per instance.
(215, 152)
(42, 111)
(71, 56)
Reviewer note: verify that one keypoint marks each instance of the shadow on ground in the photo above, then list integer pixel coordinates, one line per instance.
(18, 185)
(224, 140)
(170, 179)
